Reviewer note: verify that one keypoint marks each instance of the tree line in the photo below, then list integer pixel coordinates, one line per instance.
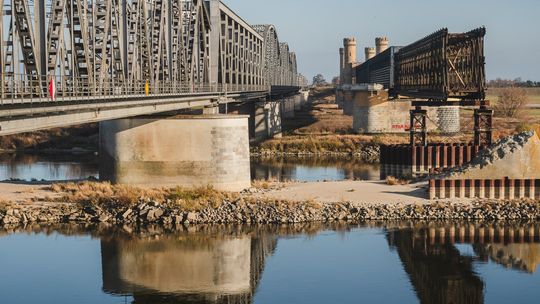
(518, 82)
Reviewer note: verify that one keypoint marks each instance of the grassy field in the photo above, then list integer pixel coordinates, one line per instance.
(534, 95)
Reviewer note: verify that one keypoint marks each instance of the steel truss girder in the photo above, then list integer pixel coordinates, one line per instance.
(106, 46)
(24, 29)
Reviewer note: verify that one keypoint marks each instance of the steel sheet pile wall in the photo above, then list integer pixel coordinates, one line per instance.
(504, 188)
(442, 66)
(421, 160)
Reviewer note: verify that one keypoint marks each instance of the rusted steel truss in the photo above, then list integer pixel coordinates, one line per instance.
(442, 66)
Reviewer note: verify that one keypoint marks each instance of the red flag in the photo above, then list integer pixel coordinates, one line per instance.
(52, 90)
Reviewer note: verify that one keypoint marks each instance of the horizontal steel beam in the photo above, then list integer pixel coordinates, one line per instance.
(20, 120)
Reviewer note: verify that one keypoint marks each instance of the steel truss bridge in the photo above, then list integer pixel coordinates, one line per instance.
(66, 62)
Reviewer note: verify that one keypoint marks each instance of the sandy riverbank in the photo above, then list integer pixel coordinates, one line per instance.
(356, 192)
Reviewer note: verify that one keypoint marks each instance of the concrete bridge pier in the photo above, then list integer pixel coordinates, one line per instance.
(193, 150)
(288, 107)
(264, 117)
(211, 110)
(267, 120)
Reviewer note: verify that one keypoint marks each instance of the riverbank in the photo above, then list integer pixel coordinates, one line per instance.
(121, 205)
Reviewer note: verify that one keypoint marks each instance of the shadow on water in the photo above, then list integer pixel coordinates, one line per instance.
(225, 264)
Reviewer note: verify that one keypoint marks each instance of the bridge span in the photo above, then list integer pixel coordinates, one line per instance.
(133, 66)
(66, 62)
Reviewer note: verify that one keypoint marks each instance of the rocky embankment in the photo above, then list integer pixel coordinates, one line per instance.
(264, 212)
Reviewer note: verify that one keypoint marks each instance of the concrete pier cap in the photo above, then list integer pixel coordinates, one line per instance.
(186, 151)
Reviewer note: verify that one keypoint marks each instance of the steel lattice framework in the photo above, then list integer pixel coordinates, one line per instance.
(108, 47)
(280, 64)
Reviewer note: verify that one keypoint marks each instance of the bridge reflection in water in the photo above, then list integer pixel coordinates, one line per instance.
(312, 169)
(189, 268)
(440, 273)
(226, 266)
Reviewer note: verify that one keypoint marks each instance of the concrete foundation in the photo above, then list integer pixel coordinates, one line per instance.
(373, 113)
(301, 100)
(348, 102)
(184, 151)
(339, 98)
(267, 120)
(448, 120)
(264, 118)
(287, 107)
(211, 110)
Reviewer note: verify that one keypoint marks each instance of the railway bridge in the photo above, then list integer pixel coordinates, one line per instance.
(134, 66)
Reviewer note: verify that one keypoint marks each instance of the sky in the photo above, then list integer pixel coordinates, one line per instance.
(315, 29)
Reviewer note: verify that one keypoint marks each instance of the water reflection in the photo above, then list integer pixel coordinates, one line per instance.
(440, 273)
(49, 167)
(63, 167)
(186, 268)
(226, 264)
(312, 169)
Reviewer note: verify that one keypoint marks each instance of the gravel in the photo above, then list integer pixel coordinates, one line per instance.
(489, 155)
(259, 212)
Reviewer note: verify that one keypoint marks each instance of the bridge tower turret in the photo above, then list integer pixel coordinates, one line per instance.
(381, 44)
(370, 53)
(349, 45)
(341, 64)
(350, 50)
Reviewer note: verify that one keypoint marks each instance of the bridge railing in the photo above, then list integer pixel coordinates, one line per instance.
(21, 88)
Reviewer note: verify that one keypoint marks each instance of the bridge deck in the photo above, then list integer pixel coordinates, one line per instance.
(31, 116)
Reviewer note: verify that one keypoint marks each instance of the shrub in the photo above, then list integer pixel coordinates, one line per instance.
(511, 101)
(525, 127)
(393, 181)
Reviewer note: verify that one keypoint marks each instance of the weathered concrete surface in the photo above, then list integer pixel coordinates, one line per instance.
(287, 107)
(264, 118)
(184, 151)
(373, 113)
(515, 157)
(267, 120)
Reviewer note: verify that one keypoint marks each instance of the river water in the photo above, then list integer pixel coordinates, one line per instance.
(62, 167)
(371, 263)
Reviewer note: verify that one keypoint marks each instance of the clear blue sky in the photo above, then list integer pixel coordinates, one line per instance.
(315, 28)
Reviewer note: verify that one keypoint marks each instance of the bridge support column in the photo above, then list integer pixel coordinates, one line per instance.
(187, 151)
(288, 107)
(211, 110)
(267, 119)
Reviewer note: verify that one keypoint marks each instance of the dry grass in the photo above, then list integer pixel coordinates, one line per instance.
(526, 127)
(315, 144)
(532, 93)
(4, 205)
(329, 143)
(268, 184)
(261, 184)
(102, 194)
(393, 181)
